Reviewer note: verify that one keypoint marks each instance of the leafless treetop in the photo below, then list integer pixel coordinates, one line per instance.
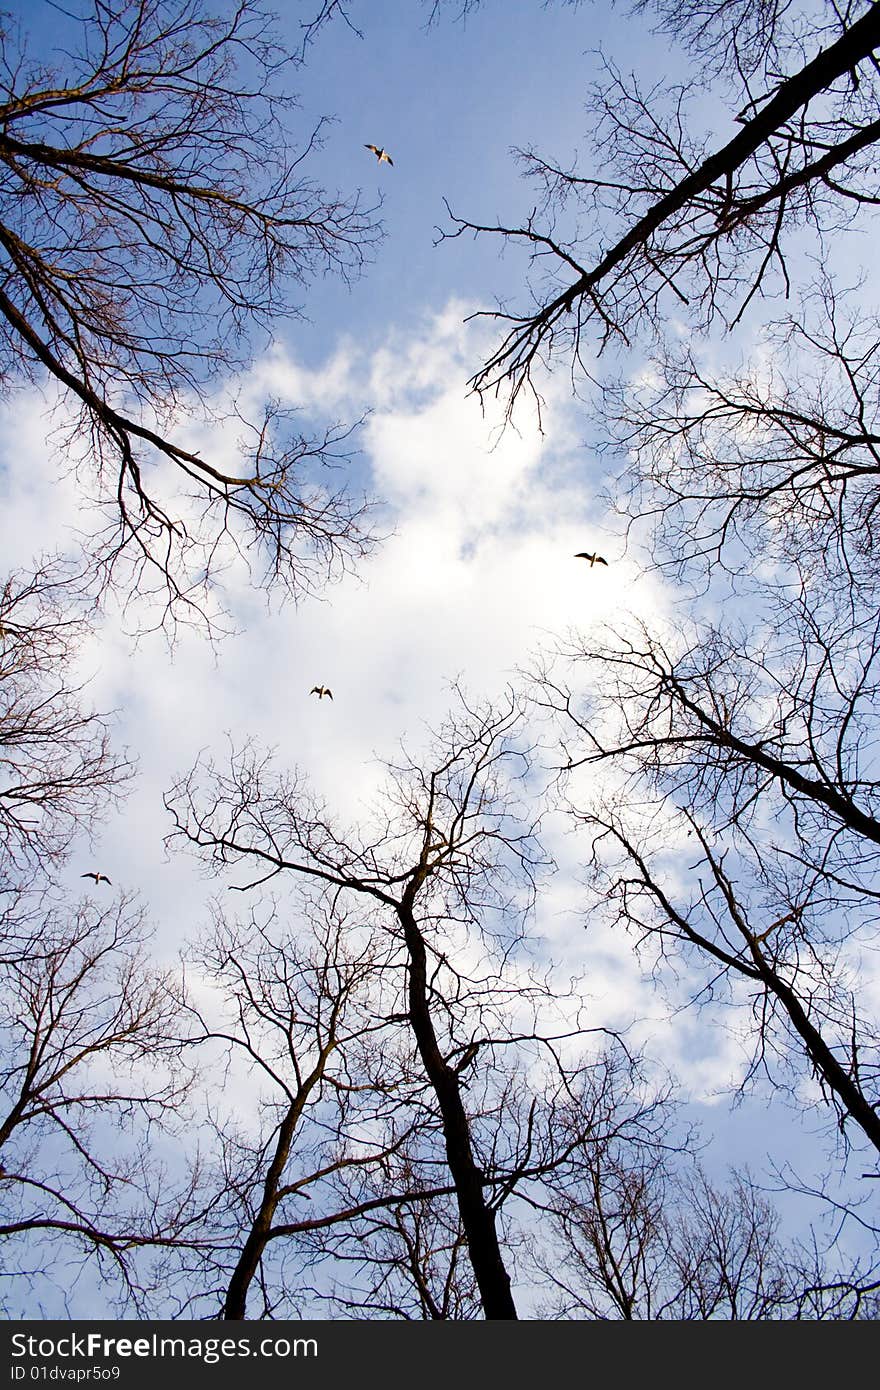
(154, 211)
(657, 216)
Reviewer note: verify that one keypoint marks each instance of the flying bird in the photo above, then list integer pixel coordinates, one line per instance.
(593, 559)
(99, 878)
(380, 154)
(321, 691)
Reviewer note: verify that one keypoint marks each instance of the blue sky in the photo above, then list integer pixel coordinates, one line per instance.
(478, 569)
(448, 103)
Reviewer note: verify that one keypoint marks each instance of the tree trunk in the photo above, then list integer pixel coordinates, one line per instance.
(477, 1217)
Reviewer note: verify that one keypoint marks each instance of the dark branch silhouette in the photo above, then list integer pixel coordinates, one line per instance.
(706, 228)
(155, 212)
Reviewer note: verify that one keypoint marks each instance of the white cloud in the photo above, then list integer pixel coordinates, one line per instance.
(479, 569)
(39, 499)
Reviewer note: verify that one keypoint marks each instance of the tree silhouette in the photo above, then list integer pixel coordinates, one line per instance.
(89, 1079)
(641, 1233)
(58, 771)
(740, 828)
(700, 230)
(154, 211)
(447, 869)
(775, 462)
(292, 1012)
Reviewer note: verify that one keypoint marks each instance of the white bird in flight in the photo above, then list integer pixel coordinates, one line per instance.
(99, 878)
(593, 559)
(380, 154)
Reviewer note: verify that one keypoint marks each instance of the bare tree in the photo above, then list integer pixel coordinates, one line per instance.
(775, 462)
(449, 866)
(450, 835)
(327, 10)
(721, 36)
(642, 1234)
(57, 769)
(744, 37)
(704, 228)
(741, 831)
(154, 209)
(295, 1007)
(410, 1260)
(410, 1263)
(90, 1079)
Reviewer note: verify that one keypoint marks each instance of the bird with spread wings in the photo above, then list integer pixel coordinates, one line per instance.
(381, 155)
(321, 691)
(99, 878)
(593, 559)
